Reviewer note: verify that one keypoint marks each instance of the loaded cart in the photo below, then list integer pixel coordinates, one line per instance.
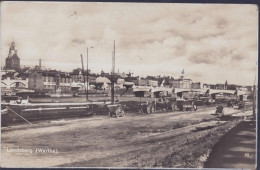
(146, 107)
(116, 109)
(163, 104)
(185, 105)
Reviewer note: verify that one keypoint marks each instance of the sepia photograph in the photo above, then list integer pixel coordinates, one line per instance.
(128, 85)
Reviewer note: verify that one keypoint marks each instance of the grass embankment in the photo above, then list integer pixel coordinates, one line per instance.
(195, 147)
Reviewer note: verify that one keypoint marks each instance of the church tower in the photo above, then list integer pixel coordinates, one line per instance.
(12, 61)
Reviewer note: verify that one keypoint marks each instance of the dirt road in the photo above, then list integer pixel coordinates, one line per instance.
(132, 141)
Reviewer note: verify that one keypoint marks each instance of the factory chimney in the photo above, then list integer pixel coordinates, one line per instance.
(40, 63)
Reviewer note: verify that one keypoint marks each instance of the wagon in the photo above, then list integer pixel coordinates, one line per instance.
(185, 105)
(117, 110)
(163, 104)
(147, 107)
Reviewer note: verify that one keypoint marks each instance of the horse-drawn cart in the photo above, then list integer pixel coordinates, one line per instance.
(116, 110)
(185, 105)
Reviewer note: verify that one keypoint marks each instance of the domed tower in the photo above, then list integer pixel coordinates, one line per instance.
(12, 61)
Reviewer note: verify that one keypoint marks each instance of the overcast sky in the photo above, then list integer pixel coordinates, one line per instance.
(212, 43)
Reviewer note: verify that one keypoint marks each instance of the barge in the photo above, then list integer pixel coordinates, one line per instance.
(27, 112)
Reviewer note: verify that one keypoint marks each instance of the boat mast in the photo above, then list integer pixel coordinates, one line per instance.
(83, 75)
(113, 75)
(87, 77)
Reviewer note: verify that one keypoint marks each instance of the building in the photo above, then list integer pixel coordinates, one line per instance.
(210, 86)
(181, 83)
(78, 79)
(143, 82)
(92, 79)
(35, 81)
(121, 75)
(132, 79)
(175, 83)
(185, 83)
(221, 86)
(249, 88)
(166, 81)
(232, 87)
(77, 75)
(195, 85)
(104, 74)
(12, 61)
(153, 83)
(50, 81)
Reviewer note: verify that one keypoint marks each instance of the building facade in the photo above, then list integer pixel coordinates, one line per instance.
(143, 82)
(153, 83)
(50, 81)
(182, 83)
(175, 83)
(35, 81)
(195, 85)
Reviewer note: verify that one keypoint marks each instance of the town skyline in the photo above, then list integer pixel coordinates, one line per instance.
(158, 44)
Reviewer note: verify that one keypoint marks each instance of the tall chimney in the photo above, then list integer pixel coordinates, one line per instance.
(40, 63)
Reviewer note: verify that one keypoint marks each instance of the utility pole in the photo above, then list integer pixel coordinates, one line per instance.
(83, 75)
(87, 77)
(113, 75)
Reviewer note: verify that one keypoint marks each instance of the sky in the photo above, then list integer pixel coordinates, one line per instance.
(211, 42)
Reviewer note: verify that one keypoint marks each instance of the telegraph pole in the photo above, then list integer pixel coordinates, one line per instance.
(83, 75)
(113, 75)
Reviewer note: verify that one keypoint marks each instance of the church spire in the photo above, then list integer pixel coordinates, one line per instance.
(12, 61)
(12, 50)
(13, 46)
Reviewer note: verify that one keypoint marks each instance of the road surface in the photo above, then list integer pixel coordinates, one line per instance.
(99, 141)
